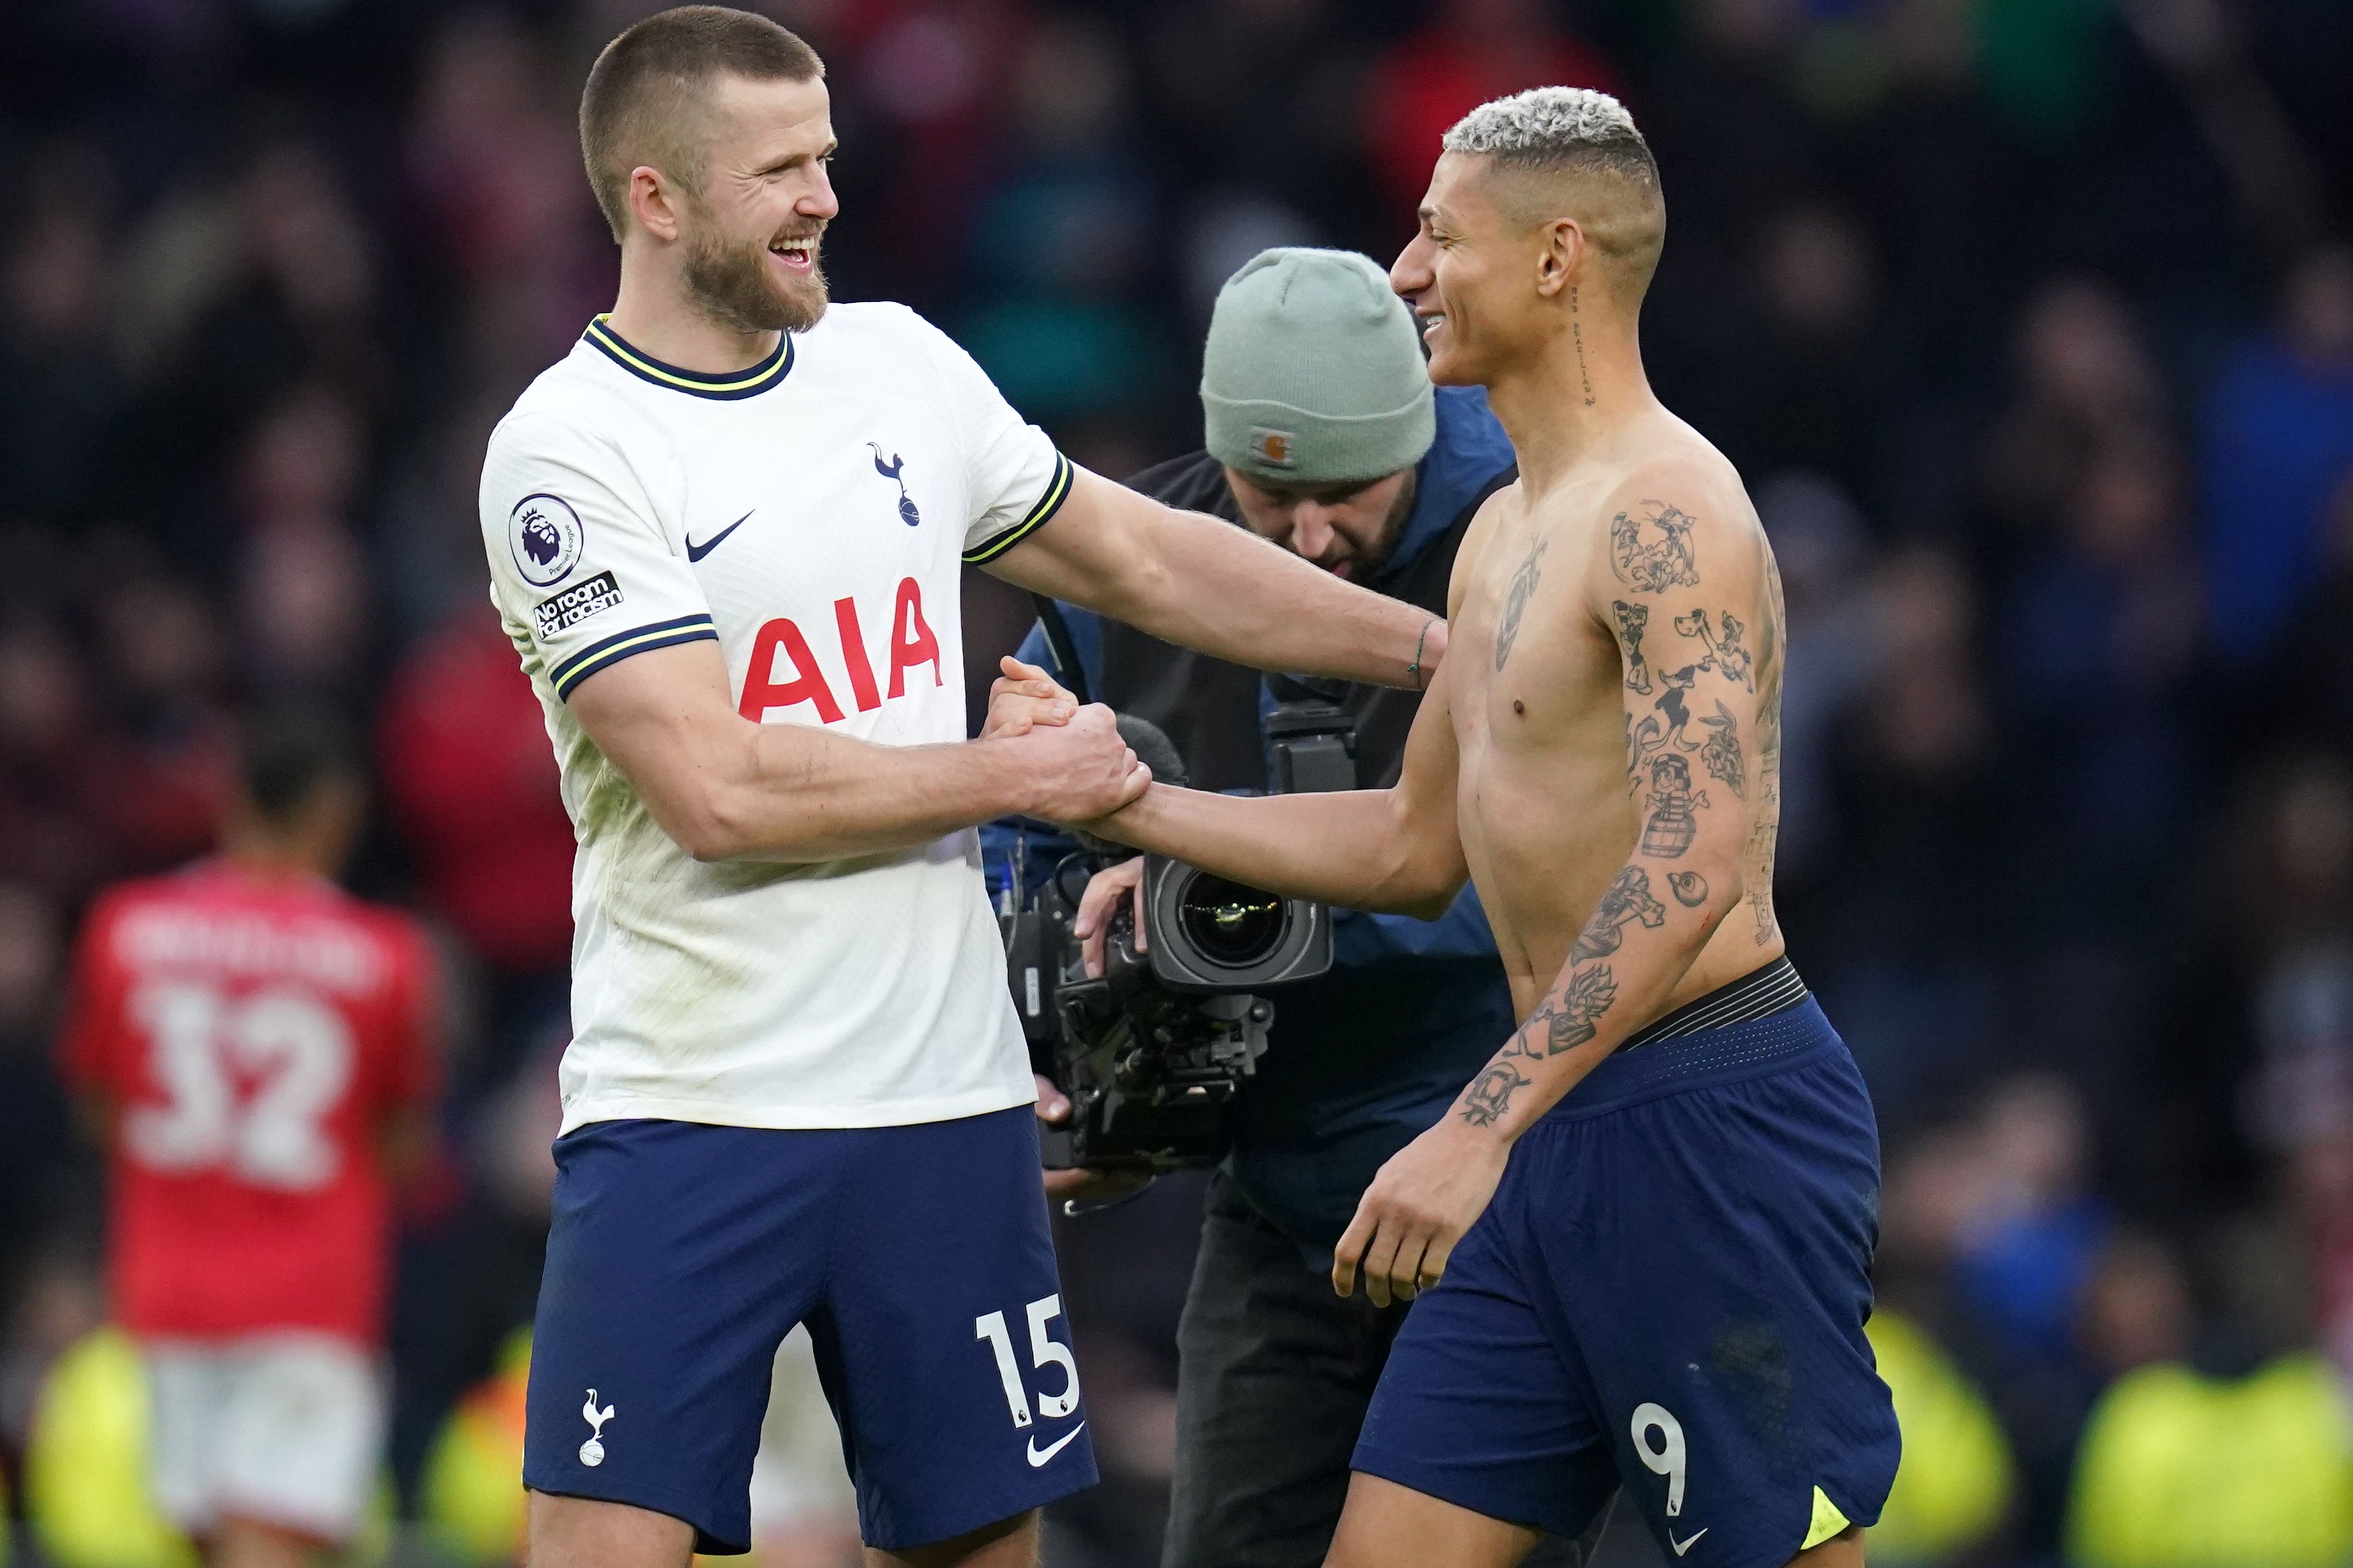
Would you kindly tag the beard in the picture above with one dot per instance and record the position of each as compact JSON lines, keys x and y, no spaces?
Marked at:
{"x":733,"y":284}
{"x":1365,"y":566}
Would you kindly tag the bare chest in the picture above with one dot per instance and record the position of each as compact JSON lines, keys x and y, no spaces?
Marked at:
{"x":1538,"y":676}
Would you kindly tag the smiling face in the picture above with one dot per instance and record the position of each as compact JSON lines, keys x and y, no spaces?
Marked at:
{"x":751,"y":233}
{"x":1347,"y":529}
{"x":1470,"y":275}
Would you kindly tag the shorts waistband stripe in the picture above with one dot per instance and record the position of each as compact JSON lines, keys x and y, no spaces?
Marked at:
{"x":1761,"y":1043}
{"x":1759,"y":994}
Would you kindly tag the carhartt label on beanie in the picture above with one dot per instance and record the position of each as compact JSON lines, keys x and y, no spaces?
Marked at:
{"x":1312,"y":373}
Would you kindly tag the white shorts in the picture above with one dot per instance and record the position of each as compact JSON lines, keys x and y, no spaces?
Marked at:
{"x":282,"y":1428}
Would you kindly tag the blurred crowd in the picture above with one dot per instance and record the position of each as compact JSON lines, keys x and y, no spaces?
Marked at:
{"x":2029,"y":321}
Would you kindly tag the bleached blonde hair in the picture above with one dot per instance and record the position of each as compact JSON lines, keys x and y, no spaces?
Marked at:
{"x":1557,"y":128}
{"x":1570,"y":151}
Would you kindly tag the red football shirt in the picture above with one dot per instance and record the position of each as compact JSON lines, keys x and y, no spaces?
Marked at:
{"x":250,"y":1034}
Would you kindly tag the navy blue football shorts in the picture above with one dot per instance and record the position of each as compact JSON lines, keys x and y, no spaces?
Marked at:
{"x":1667,"y":1294}
{"x":919,"y":1259}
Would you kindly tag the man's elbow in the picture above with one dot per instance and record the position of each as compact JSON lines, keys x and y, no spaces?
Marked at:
{"x":711,"y":844}
{"x":1431,"y":906}
{"x":1140,"y":590}
{"x":699,"y":821}
{"x":1423,"y":886}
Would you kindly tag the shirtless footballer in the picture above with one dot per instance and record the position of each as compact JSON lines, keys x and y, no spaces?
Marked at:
{"x":1640,"y":1241}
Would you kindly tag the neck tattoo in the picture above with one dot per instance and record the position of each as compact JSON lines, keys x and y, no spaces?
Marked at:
{"x":1577,"y":332}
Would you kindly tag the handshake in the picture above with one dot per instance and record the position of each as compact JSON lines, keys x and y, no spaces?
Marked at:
{"x":1074,"y":766}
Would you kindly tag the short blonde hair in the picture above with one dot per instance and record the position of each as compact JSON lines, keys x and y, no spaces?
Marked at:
{"x":1548,"y":128}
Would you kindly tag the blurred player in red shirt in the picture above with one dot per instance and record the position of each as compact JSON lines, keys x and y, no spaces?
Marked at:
{"x":257,"y":1048}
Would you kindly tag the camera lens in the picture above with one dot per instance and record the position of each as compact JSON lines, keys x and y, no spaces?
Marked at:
{"x":1228,"y":923}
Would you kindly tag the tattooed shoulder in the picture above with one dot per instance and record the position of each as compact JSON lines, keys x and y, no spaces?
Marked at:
{"x":1650,"y":548}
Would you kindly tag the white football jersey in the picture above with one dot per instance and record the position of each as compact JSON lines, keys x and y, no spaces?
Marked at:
{"x":810,"y":515}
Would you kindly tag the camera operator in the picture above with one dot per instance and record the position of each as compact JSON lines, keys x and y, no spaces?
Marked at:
{"x":1324,"y":435}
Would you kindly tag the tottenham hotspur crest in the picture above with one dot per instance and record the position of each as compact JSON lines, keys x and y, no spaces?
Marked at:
{"x":592,"y":1452}
{"x":891,"y":472}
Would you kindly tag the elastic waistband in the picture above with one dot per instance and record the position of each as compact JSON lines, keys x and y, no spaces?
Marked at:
{"x":1782,"y":1038}
{"x":1759,"y":994}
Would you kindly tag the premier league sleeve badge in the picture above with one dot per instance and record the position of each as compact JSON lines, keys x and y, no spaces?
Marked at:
{"x":546,"y":537}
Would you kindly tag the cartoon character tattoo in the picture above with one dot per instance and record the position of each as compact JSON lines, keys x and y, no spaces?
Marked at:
{"x":1653,"y":565}
{"x":1489,"y":1097}
{"x":1628,"y":899}
{"x":1671,"y":825}
{"x":1724,"y":652}
{"x":1672,"y":703}
{"x":1720,"y":752}
{"x":1632,"y":620}
{"x":1577,"y":1017}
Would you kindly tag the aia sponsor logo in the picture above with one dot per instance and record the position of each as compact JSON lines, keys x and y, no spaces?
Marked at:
{"x":785,"y":670}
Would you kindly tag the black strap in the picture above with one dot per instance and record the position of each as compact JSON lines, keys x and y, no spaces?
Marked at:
{"x":1060,"y":643}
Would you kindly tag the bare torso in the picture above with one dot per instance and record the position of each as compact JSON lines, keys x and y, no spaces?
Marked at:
{"x":1545,"y":690}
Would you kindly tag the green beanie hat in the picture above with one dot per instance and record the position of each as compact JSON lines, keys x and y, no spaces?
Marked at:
{"x":1314,"y":374}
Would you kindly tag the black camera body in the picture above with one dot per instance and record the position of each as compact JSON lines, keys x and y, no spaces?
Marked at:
{"x":1153,"y":1051}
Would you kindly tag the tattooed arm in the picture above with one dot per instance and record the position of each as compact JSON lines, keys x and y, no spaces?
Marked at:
{"x":1689,"y":604}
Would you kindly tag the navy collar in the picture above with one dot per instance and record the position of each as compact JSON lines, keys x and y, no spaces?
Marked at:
{"x":733,"y":384}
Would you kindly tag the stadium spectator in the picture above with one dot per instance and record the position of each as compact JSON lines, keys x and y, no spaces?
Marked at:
{"x":2187,"y":1461}
{"x":2279,"y":440}
{"x":1472,"y":50}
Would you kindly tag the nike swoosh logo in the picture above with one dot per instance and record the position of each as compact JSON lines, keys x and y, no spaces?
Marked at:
{"x":1038,"y":1456}
{"x":1683,"y":1546}
{"x":697,"y":552}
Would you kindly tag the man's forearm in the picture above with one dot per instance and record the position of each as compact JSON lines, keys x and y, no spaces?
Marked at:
{"x":1227,"y":592}
{"x":722,"y":787}
{"x":798,"y":793}
{"x":1618,"y":975}
{"x":1341,"y":848}
{"x":1191,"y":579}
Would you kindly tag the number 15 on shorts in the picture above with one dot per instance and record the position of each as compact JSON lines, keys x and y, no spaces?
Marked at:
{"x":1044,"y":1351}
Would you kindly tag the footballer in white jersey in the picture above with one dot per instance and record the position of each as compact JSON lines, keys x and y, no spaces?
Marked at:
{"x":725,"y":534}
{"x":811,"y":517}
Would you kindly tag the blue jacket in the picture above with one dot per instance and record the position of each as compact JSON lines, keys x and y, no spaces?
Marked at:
{"x":1364,"y":1059}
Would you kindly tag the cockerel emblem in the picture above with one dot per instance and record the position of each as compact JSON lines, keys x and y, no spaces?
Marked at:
{"x":889,"y":471}
{"x":592,"y":1452}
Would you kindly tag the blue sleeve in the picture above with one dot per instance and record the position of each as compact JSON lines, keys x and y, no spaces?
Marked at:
{"x":1361,"y":940}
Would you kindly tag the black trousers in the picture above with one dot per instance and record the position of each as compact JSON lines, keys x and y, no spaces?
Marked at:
{"x":1274,"y":1375}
